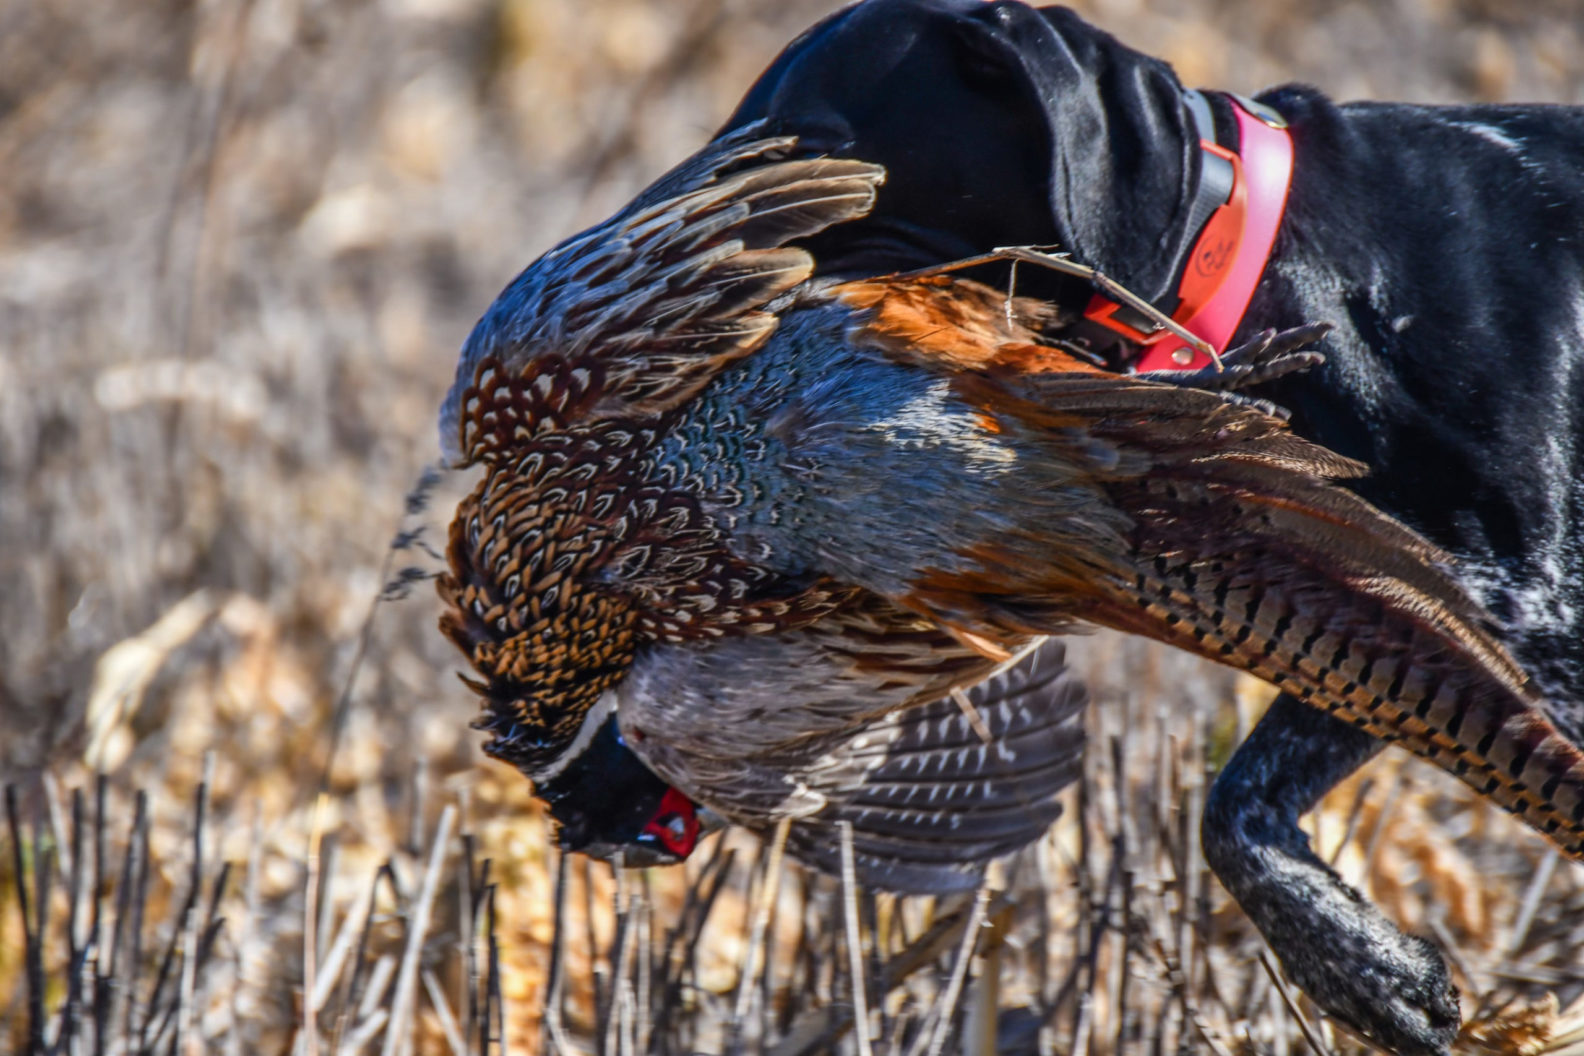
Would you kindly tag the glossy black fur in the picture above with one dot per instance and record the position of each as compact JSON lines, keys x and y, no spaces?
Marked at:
{"x":1446,"y":245}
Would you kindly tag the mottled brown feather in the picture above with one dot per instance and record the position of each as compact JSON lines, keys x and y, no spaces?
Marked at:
{"x":658,"y":299}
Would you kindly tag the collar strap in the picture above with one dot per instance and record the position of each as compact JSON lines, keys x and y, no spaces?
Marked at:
{"x":1239,"y":203}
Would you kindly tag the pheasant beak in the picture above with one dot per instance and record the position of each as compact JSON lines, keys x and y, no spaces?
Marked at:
{"x":673,"y":829}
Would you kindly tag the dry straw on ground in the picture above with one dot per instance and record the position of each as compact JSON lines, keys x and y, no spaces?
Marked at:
{"x":239,"y":242}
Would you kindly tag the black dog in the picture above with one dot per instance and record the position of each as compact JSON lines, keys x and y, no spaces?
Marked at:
{"x":1445,"y":243}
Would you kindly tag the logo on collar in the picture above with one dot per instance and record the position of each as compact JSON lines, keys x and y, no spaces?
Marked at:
{"x":1238,"y":205}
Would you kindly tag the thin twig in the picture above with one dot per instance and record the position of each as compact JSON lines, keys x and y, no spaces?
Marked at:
{"x":31,"y":941}
{"x":189,"y":968}
{"x":310,"y":1022}
{"x":352,"y":994}
{"x":1190,"y":1011}
{"x":448,"y":1023}
{"x":609,"y":1014}
{"x":1382,"y":822}
{"x":329,"y":971}
{"x":946,"y":1008}
{"x":764,"y":908}
{"x":1531,"y":901}
{"x":76,"y":962}
{"x":100,"y":992}
{"x":1309,"y":1034}
{"x":496,"y":1003}
{"x":551,"y":1019}
{"x":467,"y":927}
{"x":1060,"y":263}
{"x":696,"y":913}
{"x":417,"y":928}
{"x":855,"y":959}
{"x":644,"y":997}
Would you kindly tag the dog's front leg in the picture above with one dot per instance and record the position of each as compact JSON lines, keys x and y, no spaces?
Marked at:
{"x":1357,"y":965}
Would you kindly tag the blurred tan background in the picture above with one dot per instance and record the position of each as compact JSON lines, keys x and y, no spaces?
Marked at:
{"x":240,"y":241}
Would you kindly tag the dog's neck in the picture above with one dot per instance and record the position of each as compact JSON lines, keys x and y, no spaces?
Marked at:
{"x":1225,"y":240}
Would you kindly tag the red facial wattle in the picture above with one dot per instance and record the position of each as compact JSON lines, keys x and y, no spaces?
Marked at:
{"x":675,"y":825}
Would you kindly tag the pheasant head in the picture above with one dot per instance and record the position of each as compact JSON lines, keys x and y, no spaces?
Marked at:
{"x":562,"y":563}
{"x":547,"y":649}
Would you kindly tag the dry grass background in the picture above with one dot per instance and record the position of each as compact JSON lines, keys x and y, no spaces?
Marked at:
{"x":239,"y":243}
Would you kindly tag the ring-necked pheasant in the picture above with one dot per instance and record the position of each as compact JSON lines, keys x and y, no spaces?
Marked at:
{"x":550,"y":650}
{"x":727,"y":511}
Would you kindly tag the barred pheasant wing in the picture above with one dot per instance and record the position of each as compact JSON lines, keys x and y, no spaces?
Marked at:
{"x":935,"y":791}
{"x":634,"y":315}
{"x":1208,"y":525}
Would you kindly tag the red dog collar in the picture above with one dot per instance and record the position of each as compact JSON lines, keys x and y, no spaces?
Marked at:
{"x":1225,"y":264}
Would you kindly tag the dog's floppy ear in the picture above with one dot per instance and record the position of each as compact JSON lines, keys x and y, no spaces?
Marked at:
{"x":998,"y":124}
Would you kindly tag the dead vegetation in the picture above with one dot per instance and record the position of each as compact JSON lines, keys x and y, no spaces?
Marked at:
{"x":239,"y":242}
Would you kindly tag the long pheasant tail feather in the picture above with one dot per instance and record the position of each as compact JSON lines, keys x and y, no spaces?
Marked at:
{"x":1243,"y":552}
{"x":655,"y":301}
{"x":1391,"y":665}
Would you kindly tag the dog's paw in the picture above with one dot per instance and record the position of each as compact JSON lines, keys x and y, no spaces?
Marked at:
{"x":1391,"y":989}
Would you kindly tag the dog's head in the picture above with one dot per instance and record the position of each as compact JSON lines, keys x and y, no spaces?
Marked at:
{"x":998,"y":124}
